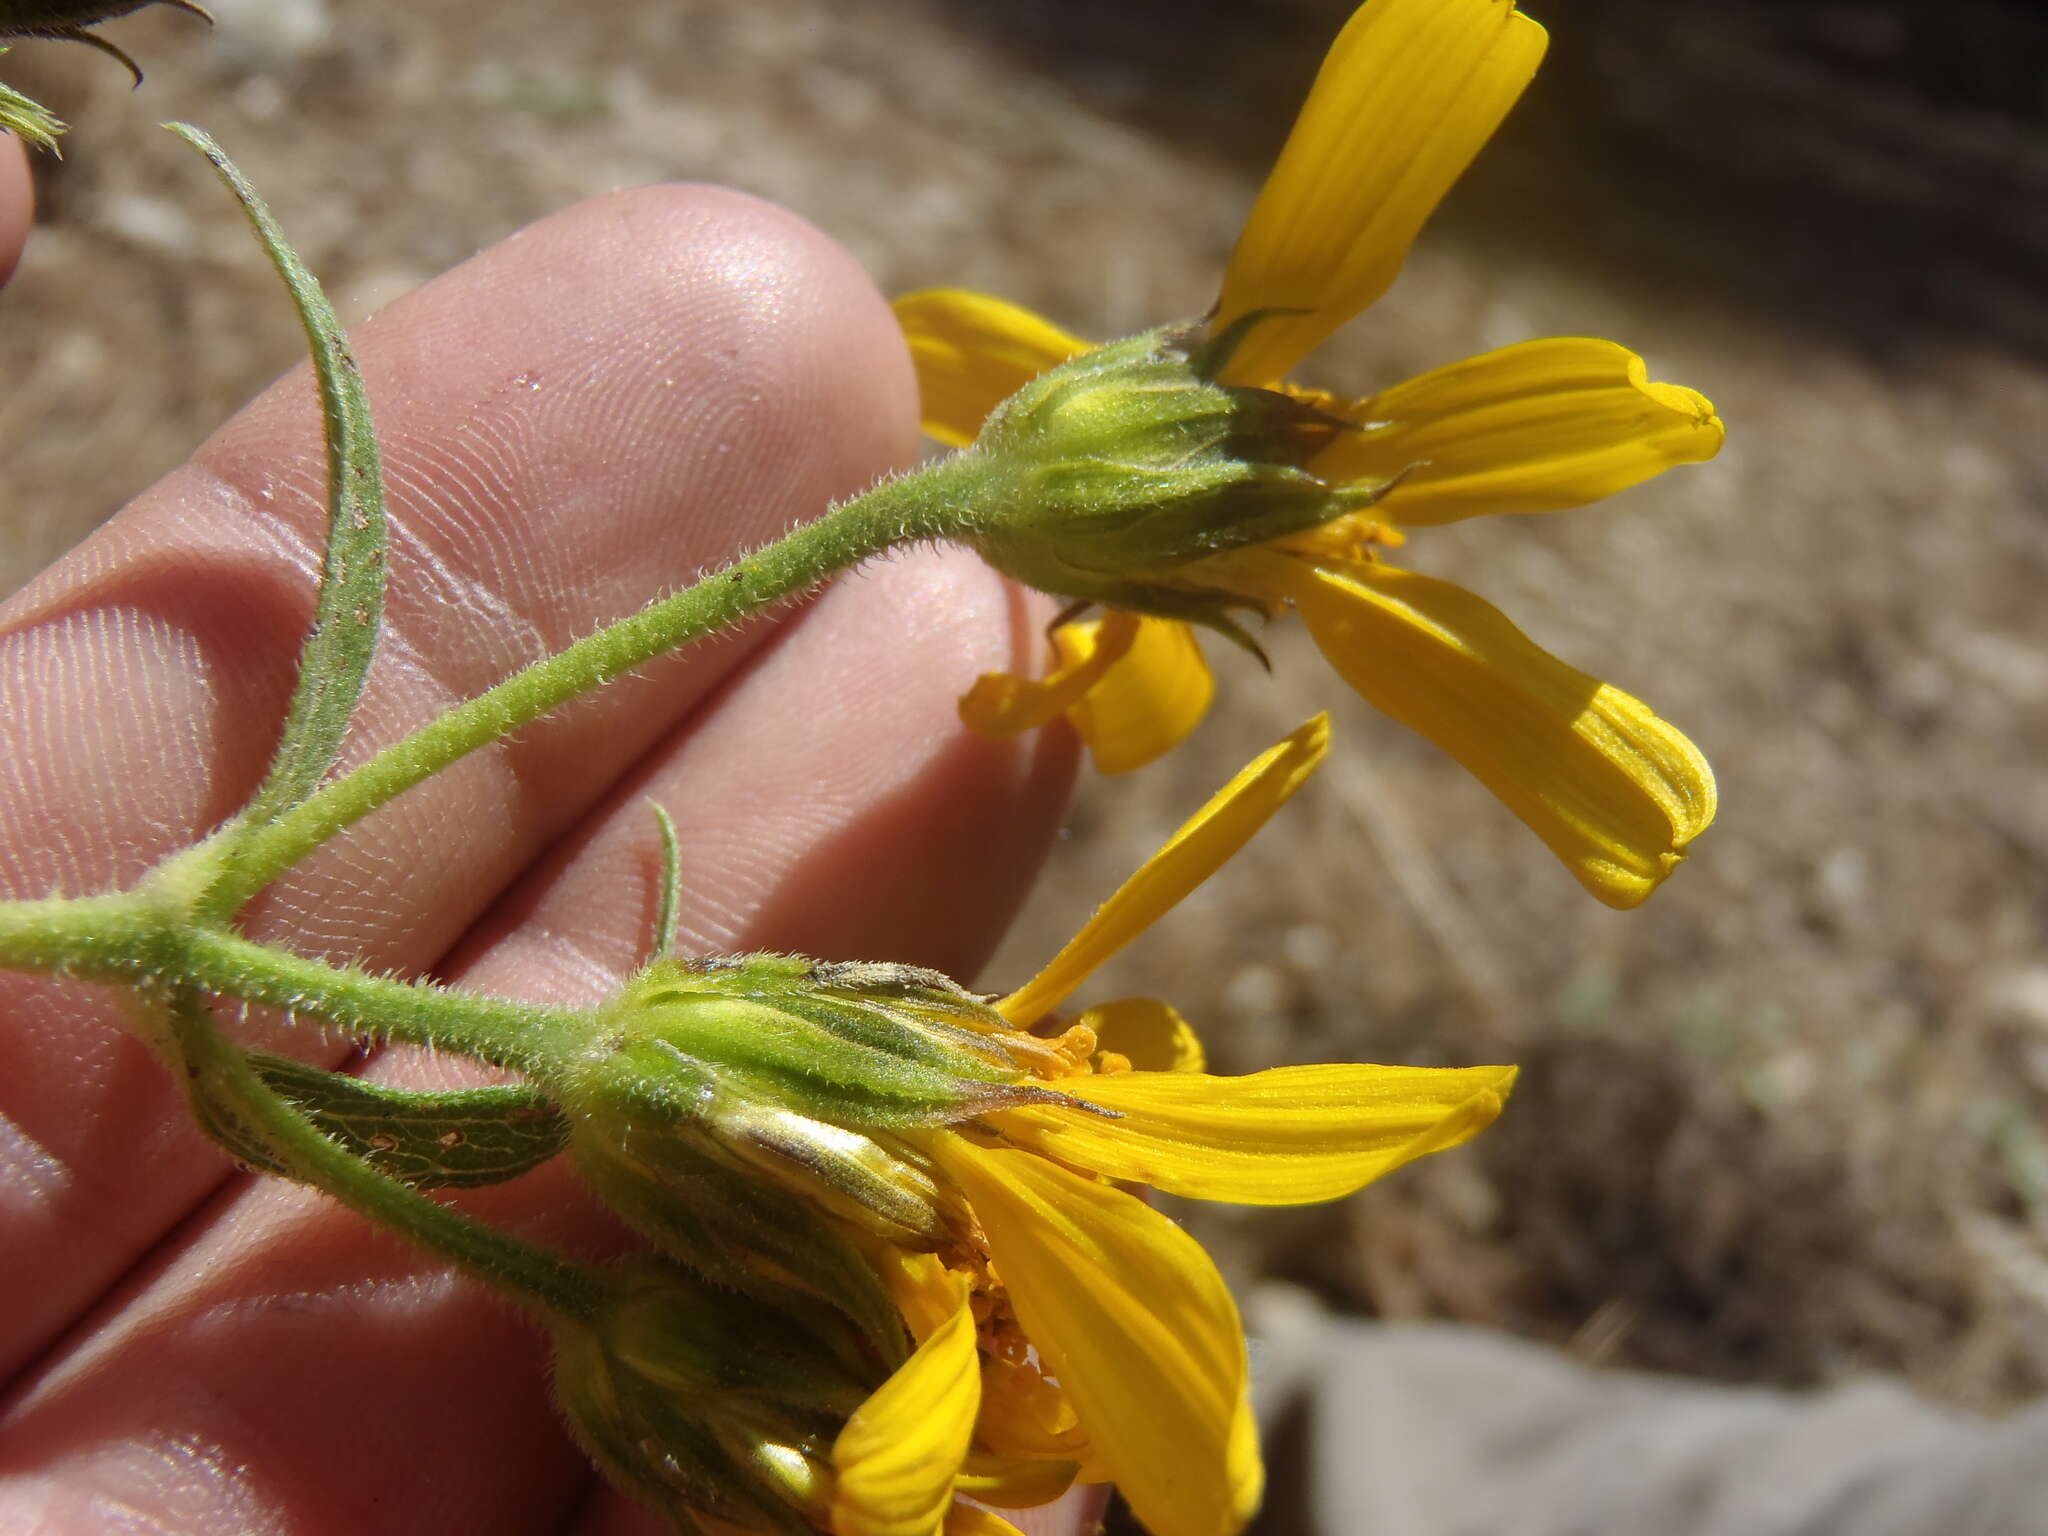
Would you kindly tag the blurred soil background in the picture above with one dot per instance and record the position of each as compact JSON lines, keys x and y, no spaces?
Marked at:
{"x":1783,"y":1125}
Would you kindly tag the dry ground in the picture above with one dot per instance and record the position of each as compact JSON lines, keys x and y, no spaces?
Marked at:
{"x":1783,"y":1124}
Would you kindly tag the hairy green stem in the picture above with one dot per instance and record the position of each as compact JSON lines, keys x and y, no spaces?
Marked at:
{"x":529,"y":1037}
{"x":133,"y":940}
{"x":74,"y":936}
{"x":934,"y":503}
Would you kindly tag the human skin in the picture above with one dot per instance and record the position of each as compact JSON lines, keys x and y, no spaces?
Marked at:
{"x":574,"y":421}
{"x":17,"y":203}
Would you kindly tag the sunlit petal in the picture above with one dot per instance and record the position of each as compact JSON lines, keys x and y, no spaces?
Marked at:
{"x":973,"y":352}
{"x":1149,"y":1034}
{"x":1131,"y":1316}
{"x":1191,"y":855}
{"x":899,"y":1454}
{"x":1536,"y":427}
{"x":1616,"y":792}
{"x":1148,"y":701}
{"x":1407,"y":95}
{"x":1015,"y":1484}
{"x":925,"y":1292}
{"x":1002,"y":705}
{"x":1283,"y":1137}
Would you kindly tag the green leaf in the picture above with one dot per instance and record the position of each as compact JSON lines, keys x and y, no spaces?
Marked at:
{"x":68,"y":19}
{"x":350,"y":610}
{"x":461,"y":1139}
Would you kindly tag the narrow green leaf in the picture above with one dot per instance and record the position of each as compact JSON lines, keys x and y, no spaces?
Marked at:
{"x":454,"y":1140}
{"x":671,"y":883}
{"x":67,"y":20}
{"x":336,"y":658}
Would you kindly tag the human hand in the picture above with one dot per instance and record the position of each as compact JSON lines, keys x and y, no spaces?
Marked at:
{"x":572,"y":422}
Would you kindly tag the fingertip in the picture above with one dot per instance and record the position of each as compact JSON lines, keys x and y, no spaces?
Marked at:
{"x":17,"y":203}
{"x":794,"y":355}
{"x":850,"y":389}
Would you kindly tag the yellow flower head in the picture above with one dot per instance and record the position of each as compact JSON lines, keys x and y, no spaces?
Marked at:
{"x":1042,"y":1325}
{"x":1407,"y":95}
{"x":1137,"y":1372}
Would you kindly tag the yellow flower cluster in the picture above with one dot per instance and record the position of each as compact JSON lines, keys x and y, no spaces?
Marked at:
{"x":1039,"y":1325}
{"x":964,"y":1164}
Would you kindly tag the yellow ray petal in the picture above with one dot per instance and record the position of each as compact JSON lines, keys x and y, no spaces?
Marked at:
{"x":1152,"y":1036}
{"x":1406,"y":96}
{"x":899,"y":1454}
{"x":973,"y":352}
{"x":1616,"y":792}
{"x":1147,"y":701}
{"x":923,"y":1289}
{"x":1016,"y":1484}
{"x":1536,"y":427}
{"x":1130,"y":1314}
{"x":1190,"y":856}
{"x":1002,"y":705}
{"x":1288,"y":1136}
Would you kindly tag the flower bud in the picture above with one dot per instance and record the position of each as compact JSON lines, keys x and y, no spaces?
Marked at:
{"x":878,"y":1046}
{"x":745,"y":1114}
{"x":708,"y":1404}
{"x":1117,"y":468}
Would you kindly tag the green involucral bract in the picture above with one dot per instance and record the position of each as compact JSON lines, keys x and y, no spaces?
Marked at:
{"x":1118,"y":467}
{"x":735,"y":1110}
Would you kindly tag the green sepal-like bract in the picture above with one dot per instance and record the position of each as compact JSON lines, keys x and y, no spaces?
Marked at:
{"x":458,"y":1139}
{"x":1114,"y":471}
{"x":748,"y":1114}
{"x":879,"y":1046}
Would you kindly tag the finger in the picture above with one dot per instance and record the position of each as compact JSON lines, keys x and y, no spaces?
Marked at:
{"x":573,"y":422}
{"x":17,"y":203}
{"x":829,"y":801}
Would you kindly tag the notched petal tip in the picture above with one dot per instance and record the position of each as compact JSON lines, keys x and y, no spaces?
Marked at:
{"x":1535,"y":427}
{"x":1616,"y":792}
{"x":1690,"y":406}
{"x":1675,"y":774}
